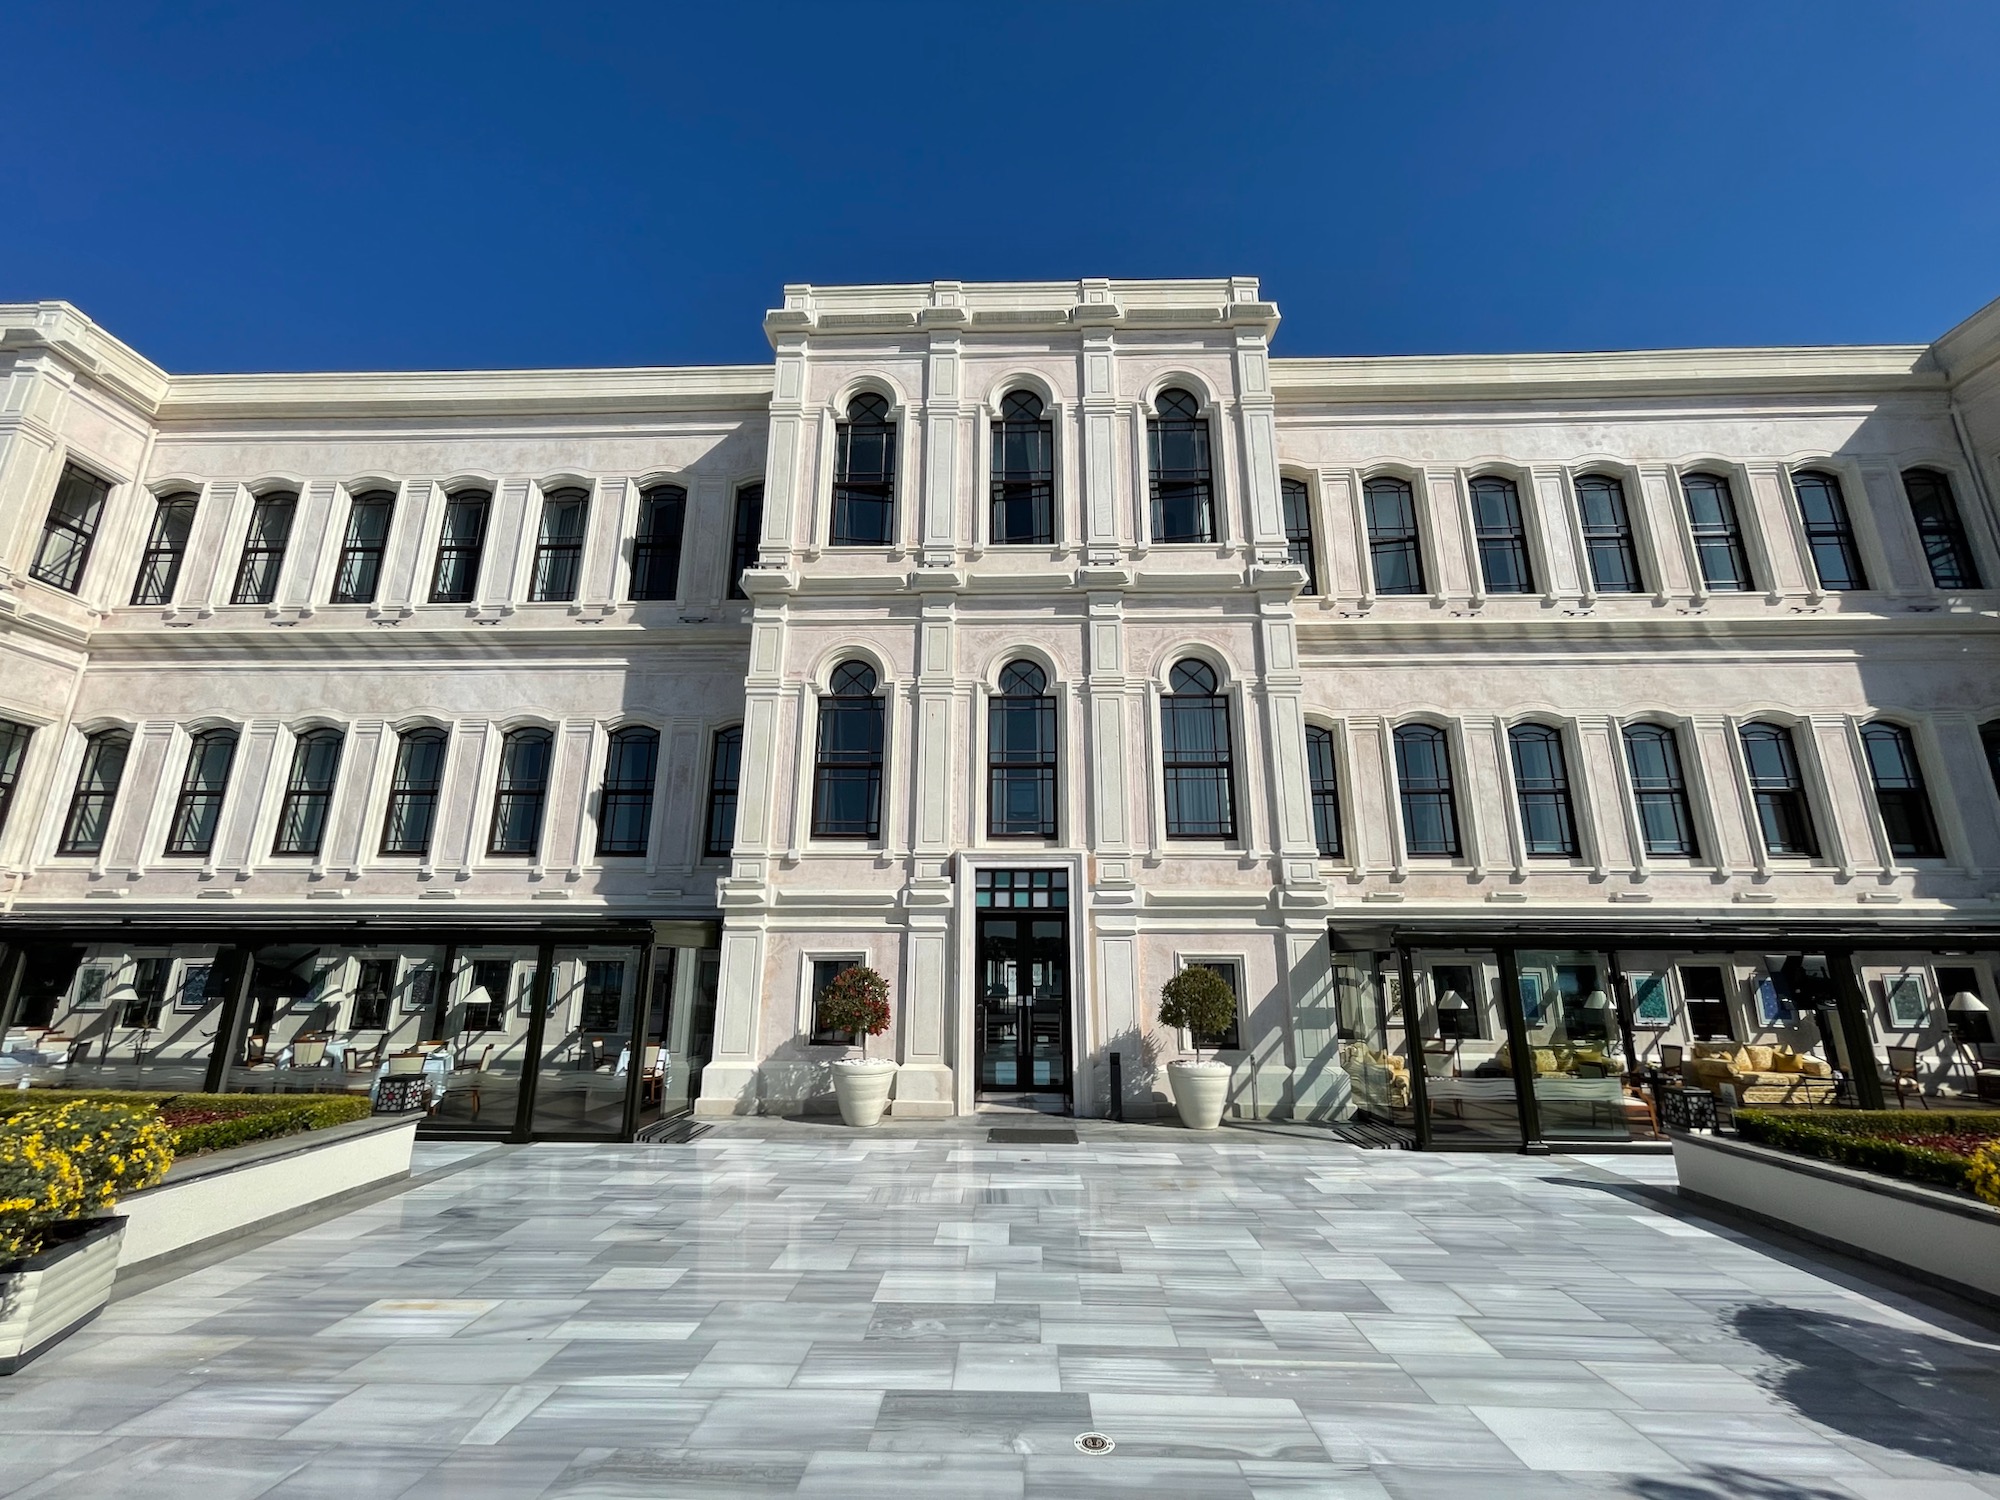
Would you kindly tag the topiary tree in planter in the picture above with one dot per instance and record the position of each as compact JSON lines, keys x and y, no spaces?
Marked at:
{"x":856,"y":1001}
{"x":1200,"y":1002}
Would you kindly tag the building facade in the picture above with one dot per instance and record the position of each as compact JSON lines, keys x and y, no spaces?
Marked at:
{"x":1493,"y":722}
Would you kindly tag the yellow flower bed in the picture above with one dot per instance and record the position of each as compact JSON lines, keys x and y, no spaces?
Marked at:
{"x":72,"y":1161}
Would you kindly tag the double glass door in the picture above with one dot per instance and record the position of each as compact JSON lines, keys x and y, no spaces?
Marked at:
{"x":1024,"y":1001}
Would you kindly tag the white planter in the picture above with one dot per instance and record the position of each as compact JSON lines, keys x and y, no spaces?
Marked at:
{"x":1200,"y":1090}
{"x":47,"y":1297}
{"x":861,"y":1085}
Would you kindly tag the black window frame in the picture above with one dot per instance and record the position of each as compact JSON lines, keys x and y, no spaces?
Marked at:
{"x":409,"y":795}
{"x":373,"y":992}
{"x":851,"y":710}
{"x":1197,"y":753}
{"x":1902,"y":796}
{"x":1429,"y":789}
{"x":364,"y":542}
{"x":1182,"y":493}
{"x":748,"y":533}
{"x":1295,"y":508}
{"x":15,"y":737}
{"x":1608,"y":537}
{"x":1021,"y":753}
{"x":95,"y":794}
{"x":490,"y":1014}
{"x":1230,"y":1039}
{"x":824,"y":971}
{"x":166,"y":548}
{"x":262,"y":565}
{"x":1662,"y":794}
{"x":1500,"y":533}
{"x":1829,"y":531}
{"x":521,"y":793}
{"x":69,"y":528}
{"x":1401,"y":544}
{"x":1323,"y":782}
{"x":656,"y":544}
{"x":455,"y":572}
{"x":142,"y":1008}
{"x":558,"y":572}
{"x":1718,"y":536}
{"x":1941,"y":529}
{"x":1778,"y":790}
{"x":1023,"y":431}
{"x":593,"y":994}
{"x":1539,"y":759}
{"x":1707,"y":1003}
{"x":631,"y":770}
{"x":197,"y":816}
{"x":864,"y":493}
{"x":725,"y":778}
{"x":309,"y":784}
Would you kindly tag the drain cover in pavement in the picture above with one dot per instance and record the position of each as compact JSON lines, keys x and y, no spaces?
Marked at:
{"x":1002,"y":1136}
{"x":1094,"y":1442}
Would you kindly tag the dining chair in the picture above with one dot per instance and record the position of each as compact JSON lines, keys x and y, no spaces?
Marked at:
{"x":1903,"y":1071}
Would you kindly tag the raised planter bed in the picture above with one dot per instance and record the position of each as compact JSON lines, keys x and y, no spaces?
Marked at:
{"x":1940,"y":1237}
{"x":47,"y":1297}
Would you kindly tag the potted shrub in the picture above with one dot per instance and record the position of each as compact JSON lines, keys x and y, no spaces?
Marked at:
{"x":60,"y":1169}
{"x":1199,"y":1002}
{"x":856,"y":1001}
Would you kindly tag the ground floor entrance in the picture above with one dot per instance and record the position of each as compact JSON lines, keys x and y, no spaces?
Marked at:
{"x":1022,"y":1006}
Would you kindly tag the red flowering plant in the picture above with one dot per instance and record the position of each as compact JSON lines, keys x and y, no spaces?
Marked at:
{"x":856,"y":1001}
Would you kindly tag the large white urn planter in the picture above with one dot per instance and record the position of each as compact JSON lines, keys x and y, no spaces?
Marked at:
{"x":47,"y":1297}
{"x":1200,"y":1090}
{"x":861,"y":1085}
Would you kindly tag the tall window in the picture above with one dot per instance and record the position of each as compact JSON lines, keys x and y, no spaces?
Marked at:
{"x":1607,"y":535}
{"x":486,"y":997}
{"x":460,"y":544}
{"x":1229,"y":1039}
{"x":375,"y":979}
{"x":1195,"y":750}
{"x":725,"y":772}
{"x":1541,"y":783}
{"x":149,"y":993}
{"x":749,"y":528}
{"x":1395,"y":549}
{"x":166,"y":545}
{"x":1423,"y":779}
{"x":1183,"y":484}
{"x":1502,"y":536}
{"x":1779,"y":790}
{"x":361,"y":547}
{"x":603,"y":1003}
{"x":1829,"y":533}
{"x":1666,"y":823}
{"x":824,"y":972}
{"x":198,"y":808}
{"x":626,"y":807}
{"x":1935,"y":511}
{"x":308,"y":792}
{"x":89,"y":815}
{"x":1024,"y":473}
{"x":559,"y":546}
{"x":864,"y":475}
{"x":1900,"y":793}
{"x":1297,"y":502}
{"x":656,"y":551}
{"x":1021,"y":755}
{"x":413,"y":792}
{"x":522,"y":793}
{"x":1325,"y":784}
{"x":264,"y":548}
{"x":847,"y":769}
{"x":71,"y":526}
{"x":13,"y":750}
{"x":1718,"y":537}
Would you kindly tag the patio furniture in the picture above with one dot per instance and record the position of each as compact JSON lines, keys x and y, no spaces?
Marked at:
{"x":1903,"y":1073}
{"x":76,"y":1053}
{"x":357,"y":1057}
{"x":1687,"y":1109}
{"x":308,"y":1052}
{"x":654,"y":1082}
{"x":256,"y":1050}
{"x":1982,"y":1061}
{"x":1759,"y":1075}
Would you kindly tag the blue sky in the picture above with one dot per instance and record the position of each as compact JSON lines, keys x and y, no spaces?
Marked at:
{"x":273,"y":186}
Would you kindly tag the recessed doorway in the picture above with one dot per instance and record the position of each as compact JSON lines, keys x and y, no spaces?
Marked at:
{"x":1022,"y":1008}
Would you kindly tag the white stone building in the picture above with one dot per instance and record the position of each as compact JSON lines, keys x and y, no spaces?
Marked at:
{"x":1028,"y":642}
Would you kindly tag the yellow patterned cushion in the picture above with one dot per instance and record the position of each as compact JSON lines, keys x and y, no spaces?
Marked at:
{"x":1756,"y":1060}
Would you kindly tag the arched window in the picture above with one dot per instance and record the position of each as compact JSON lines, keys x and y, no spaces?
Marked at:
{"x":460,"y":543}
{"x":748,"y":531}
{"x":97,"y":781}
{"x":847,"y":771}
{"x":69,"y":529}
{"x":864,"y":475}
{"x":166,"y":545}
{"x":1779,"y":789}
{"x":13,"y":750}
{"x":1423,"y":778}
{"x":308,"y":792}
{"x":521,"y":793}
{"x":1395,"y":548}
{"x":1666,"y":824}
{"x":1900,"y":794}
{"x":1021,"y":755}
{"x":1297,"y":502}
{"x":625,"y":805}
{"x":1183,"y":481}
{"x":1718,"y":536}
{"x":1541,"y":784}
{"x":1196,"y":755}
{"x":725,"y":771}
{"x":198,"y":808}
{"x":361,"y":547}
{"x":1607,"y":535}
{"x":1502,"y":536}
{"x":1024,"y":473}
{"x":1324,"y":781}
{"x":1829,"y":533}
{"x":559,"y":546}
{"x":413,"y":792}
{"x":656,"y":550}
{"x":1935,"y":510}
{"x":264,"y":548}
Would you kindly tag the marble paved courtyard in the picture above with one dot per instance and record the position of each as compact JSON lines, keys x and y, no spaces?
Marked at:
{"x":785,"y":1310}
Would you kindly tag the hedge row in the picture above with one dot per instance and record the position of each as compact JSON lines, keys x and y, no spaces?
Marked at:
{"x":1891,"y":1123}
{"x":233,"y":1118}
{"x":1865,"y":1140}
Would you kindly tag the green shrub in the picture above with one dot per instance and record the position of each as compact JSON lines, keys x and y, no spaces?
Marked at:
{"x":210,"y":1122}
{"x":1200,"y":1002}
{"x":1874,"y":1141}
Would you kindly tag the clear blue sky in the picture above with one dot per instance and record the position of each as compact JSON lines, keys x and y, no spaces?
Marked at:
{"x":351,"y":185}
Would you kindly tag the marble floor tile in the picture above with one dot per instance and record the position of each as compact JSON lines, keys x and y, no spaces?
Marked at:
{"x":1554,"y":1437}
{"x":799,"y":1421}
{"x":1007,"y":1367}
{"x":910,"y":1476}
{"x":1205,"y":1426}
{"x":390,"y":1413}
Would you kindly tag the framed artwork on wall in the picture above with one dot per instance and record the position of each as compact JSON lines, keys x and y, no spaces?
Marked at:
{"x":417,"y":991}
{"x":194,"y":987}
{"x":92,"y":981}
{"x":1650,"y":1005}
{"x":1531,"y":999}
{"x":1904,"y":995}
{"x":1774,"y":1006}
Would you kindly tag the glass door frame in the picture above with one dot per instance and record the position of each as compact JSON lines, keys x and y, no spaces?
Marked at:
{"x":1087,"y":1068}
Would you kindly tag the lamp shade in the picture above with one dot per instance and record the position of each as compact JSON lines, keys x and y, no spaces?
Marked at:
{"x":1451,"y":1000}
{"x":1965,"y":1003}
{"x":1597,"y":1000}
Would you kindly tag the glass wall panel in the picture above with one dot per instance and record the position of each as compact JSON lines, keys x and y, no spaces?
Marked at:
{"x":1578,"y":1049}
{"x":142,"y":1019}
{"x":1373,"y":1047}
{"x":481,"y":1040}
{"x":1468,"y":1079}
{"x":586,"y":1042}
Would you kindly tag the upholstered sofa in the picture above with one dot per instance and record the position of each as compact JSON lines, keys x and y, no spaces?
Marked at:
{"x":1760,"y":1075}
{"x":1381,"y":1079}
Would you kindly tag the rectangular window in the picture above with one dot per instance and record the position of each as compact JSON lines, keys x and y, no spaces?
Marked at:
{"x":1707,"y":994}
{"x":89,"y":816}
{"x":603,"y":995}
{"x":1900,"y":794}
{"x":1779,"y":789}
{"x":749,"y":530}
{"x":1541,"y":782}
{"x":1230,"y":1038}
{"x":1297,"y":500}
{"x":308,"y":792}
{"x":166,"y":545}
{"x":1718,"y":537}
{"x":413,"y":792}
{"x":656,"y":551}
{"x":522,"y":793}
{"x":1021,"y":766}
{"x":1502,"y":536}
{"x":1395,"y":548}
{"x":373,"y":984}
{"x":1197,"y":759}
{"x":486,"y":1000}
{"x":264,"y":548}
{"x":1666,"y":825}
{"x":724,"y":772}
{"x":460,"y":545}
{"x":864,"y":475}
{"x":359,"y":574}
{"x":149,"y":993}
{"x":823,"y":972}
{"x":625,"y":806}
{"x":73,"y":519}
{"x":1022,"y":511}
{"x":198,"y":808}
{"x":1423,"y":778}
{"x":1607,"y":535}
{"x":1183,"y":481}
{"x":847,"y":778}
{"x":1829,"y":533}
{"x":559,"y":549}
{"x":1325,"y":783}
{"x":13,"y":750}
{"x":1935,"y":510}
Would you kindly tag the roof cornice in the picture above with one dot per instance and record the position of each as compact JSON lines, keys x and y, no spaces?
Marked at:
{"x":467,"y":393}
{"x":60,"y":329}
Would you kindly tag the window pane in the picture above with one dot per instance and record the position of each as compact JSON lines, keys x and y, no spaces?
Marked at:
{"x":1325,"y":786}
{"x":1900,"y":793}
{"x":1666,"y":824}
{"x":413,"y":792}
{"x":1197,"y":757}
{"x":1297,"y":500}
{"x":626,"y":811}
{"x":1607,"y":535}
{"x":13,"y":750}
{"x":656,"y":551}
{"x":460,"y":544}
{"x":198,"y":809}
{"x":1502,"y":536}
{"x":264,"y":549}
{"x":522,"y":789}
{"x":1023,"y":498}
{"x":864,"y":484}
{"x":1779,"y":790}
{"x":74,"y":513}
{"x":725,"y":769}
{"x":1394,"y":547}
{"x":1718,"y":540}
{"x":1829,"y":535}
{"x":749,"y":528}
{"x":1423,"y":774}
{"x":1182,"y":483}
{"x":1935,"y":511}
{"x":360,"y":570}
{"x":847,"y":777}
{"x":559,"y":552}
{"x":1541,"y":782}
{"x":166,"y":545}
{"x":308,"y":793}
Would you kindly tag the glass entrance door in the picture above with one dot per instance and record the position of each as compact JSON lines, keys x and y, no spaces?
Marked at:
{"x":1023,"y":1004}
